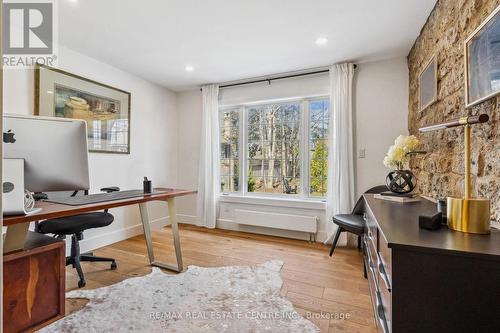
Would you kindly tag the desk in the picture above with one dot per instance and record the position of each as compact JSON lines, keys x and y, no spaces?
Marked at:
{"x":17,"y":226}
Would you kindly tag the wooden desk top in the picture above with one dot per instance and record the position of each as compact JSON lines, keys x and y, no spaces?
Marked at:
{"x":53,"y":210}
{"x":398,"y":224}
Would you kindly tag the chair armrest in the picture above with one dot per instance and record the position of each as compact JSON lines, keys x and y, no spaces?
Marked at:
{"x":110,"y":189}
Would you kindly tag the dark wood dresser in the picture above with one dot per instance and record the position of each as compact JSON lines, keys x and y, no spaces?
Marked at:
{"x":429,"y":281}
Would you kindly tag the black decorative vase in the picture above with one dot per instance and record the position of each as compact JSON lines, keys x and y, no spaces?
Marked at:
{"x":401,"y":181}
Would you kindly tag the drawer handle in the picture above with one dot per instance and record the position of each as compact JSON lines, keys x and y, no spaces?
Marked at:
{"x":372,"y":270}
{"x":370,"y":235}
{"x":383,"y":274}
{"x":381,"y":314}
{"x":368,"y":252}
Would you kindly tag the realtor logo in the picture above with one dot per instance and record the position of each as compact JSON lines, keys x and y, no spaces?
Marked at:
{"x":28,"y":33}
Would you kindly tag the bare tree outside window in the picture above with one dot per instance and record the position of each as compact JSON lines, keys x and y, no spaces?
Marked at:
{"x":276,"y":148}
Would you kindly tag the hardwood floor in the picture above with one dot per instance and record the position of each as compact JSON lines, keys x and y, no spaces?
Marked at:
{"x":323,"y":288}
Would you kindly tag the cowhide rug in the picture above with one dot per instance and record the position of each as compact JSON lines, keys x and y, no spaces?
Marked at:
{"x":220,"y":299}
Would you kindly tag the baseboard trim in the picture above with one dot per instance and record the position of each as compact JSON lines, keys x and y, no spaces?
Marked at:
{"x":186,"y":219}
{"x":104,"y":239}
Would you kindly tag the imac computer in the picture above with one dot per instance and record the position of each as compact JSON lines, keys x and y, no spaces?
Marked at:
{"x":54,"y":151}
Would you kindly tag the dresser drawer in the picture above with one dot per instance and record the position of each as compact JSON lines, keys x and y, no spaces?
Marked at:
{"x":386,"y":304}
{"x":384,"y":263}
{"x":371,"y":226}
{"x":381,"y":299}
{"x":371,"y":276}
{"x":381,"y":315}
{"x":371,"y":251}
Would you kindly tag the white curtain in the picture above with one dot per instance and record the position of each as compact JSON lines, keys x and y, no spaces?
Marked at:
{"x":340,"y":191}
{"x":208,"y":172}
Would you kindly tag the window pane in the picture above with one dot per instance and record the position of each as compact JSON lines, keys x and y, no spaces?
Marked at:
{"x":318,"y":147}
{"x":274,"y":148}
{"x":229,"y":150}
{"x":318,"y":119}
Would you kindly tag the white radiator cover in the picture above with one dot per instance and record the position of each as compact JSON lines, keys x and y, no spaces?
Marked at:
{"x":276,"y":220}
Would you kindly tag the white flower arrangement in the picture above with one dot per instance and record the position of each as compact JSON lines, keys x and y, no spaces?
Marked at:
{"x":399,"y":153}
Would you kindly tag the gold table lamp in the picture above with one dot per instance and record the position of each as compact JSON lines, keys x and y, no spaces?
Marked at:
{"x":466,"y":214}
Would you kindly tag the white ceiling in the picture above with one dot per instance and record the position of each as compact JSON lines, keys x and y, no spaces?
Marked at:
{"x":228,"y":40}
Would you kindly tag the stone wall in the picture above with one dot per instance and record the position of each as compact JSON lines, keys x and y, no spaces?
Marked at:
{"x":441,"y":172}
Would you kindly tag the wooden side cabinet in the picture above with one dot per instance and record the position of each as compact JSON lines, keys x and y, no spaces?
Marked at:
{"x":33,"y":283}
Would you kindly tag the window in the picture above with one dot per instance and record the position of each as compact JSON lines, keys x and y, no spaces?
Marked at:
{"x":275,"y":148}
{"x":318,"y":145}
{"x":229,"y":150}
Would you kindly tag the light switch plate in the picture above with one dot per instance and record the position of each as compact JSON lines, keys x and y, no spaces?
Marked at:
{"x":362,"y":153}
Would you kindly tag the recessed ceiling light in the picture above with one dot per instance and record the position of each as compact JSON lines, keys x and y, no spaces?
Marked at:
{"x":321,"y":41}
{"x":189,"y":68}
{"x":74,"y":1}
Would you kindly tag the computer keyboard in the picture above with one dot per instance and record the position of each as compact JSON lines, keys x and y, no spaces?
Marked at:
{"x":100,"y":197}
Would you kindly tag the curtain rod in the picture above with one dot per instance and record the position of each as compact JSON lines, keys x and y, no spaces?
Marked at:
{"x":274,"y":78}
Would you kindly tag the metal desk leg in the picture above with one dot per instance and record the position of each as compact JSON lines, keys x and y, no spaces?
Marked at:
{"x":175,"y":231}
{"x":15,"y":237}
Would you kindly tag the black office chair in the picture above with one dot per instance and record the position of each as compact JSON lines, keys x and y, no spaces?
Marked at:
{"x":354,"y":222}
{"x":75,"y":226}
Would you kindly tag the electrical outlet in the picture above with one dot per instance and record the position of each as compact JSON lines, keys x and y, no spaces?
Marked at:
{"x":362,"y":153}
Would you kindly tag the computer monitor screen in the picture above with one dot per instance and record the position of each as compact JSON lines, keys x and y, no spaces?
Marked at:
{"x":54,"y":151}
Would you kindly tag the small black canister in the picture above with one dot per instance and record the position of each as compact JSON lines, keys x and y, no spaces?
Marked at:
{"x":148,"y":186}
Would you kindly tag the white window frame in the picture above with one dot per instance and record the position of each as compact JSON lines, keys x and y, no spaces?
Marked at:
{"x":304,"y":130}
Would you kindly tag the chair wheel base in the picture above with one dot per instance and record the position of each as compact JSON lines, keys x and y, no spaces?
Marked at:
{"x":81,"y":283}
{"x":113,"y":265}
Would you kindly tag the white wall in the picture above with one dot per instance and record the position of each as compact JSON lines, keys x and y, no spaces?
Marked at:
{"x":189,"y":105}
{"x":381,"y":113}
{"x":381,"y":90}
{"x":153,"y":138}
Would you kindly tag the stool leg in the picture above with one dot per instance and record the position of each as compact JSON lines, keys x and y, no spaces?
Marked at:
{"x":335,"y":240}
{"x":359,"y":242}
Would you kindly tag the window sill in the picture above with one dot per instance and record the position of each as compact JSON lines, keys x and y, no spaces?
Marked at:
{"x":276,"y":202}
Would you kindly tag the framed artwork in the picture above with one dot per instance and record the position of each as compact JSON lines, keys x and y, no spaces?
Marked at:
{"x":105,"y":109}
{"x":482,"y":61}
{"x":428,"y":84}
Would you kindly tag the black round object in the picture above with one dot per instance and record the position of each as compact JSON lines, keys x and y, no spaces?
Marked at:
{"x":113,"y":265}
{"x":401,"y":181}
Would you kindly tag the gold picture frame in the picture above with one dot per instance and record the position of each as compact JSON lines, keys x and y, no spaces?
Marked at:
{"x":106,"y":109}
{"x":482,"y":70}
{"x":427,"y":88}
